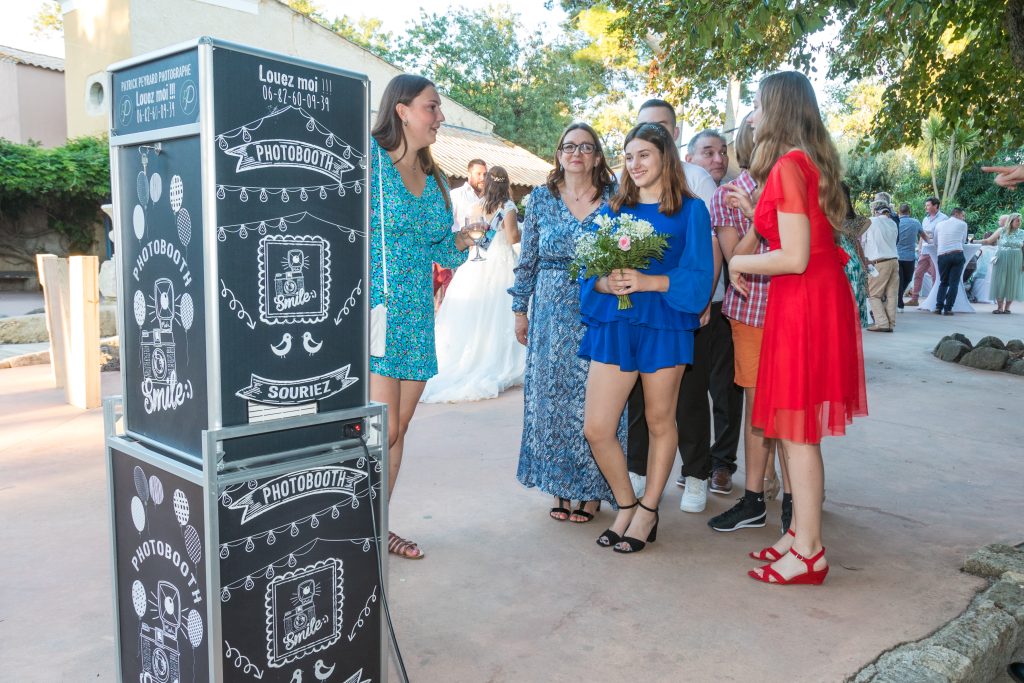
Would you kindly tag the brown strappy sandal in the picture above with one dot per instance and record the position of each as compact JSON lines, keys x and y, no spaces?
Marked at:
{"x":403,"y":548}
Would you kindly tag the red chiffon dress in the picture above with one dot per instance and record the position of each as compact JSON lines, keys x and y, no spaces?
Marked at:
{"x":811,"y":377}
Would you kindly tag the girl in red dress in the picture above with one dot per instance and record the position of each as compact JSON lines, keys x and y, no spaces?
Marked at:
{"x":811,"y":377}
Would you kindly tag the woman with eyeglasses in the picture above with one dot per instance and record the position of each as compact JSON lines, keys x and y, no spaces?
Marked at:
{"x":554,"y":456}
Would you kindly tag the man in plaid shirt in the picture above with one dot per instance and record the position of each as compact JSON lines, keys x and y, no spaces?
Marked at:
{"x":732,"y":211}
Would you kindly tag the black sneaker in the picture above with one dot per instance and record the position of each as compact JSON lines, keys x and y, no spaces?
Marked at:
{"x":746,"y":513}
{"x":787,"y":514}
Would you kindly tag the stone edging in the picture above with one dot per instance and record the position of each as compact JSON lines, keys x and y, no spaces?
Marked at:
{"x":975,"y":646}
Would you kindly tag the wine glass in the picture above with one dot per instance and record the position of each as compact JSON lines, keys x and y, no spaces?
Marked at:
{"x":476,"y":229}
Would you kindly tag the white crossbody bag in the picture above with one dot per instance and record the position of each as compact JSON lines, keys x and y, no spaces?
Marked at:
{"x":379,"y":313}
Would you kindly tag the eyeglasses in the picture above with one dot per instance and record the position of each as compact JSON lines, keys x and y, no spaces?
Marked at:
{"x":571,"y":147}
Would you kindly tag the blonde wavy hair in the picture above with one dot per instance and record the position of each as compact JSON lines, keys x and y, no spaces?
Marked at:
{"x":790,"y":118}
{"x":1010,"y":218}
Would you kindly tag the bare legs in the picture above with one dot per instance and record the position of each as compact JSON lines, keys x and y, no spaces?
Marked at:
{"x":806,"y":473}
{"x":401,"y":397}
{"x":608,"y":388}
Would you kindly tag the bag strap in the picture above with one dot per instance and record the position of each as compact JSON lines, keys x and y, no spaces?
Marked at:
{"x":380,"y":199}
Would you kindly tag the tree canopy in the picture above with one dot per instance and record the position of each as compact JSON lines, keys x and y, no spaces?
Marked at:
{"x":962,"y":59}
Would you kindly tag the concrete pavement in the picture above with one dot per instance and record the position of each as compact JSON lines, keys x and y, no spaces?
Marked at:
{"x":506,"y":594}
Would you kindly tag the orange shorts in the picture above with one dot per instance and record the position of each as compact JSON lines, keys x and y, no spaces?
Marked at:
{"x":746,"y":343}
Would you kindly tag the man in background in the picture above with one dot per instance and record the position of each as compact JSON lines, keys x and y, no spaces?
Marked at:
{"x":950,"y":236}
{"x":879,"y":244}
{"x":925,"y":264}
{"x":467,"y":202}
{"x":906,"y":248}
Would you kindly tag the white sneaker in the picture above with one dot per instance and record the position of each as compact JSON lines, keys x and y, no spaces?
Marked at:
{"x":639,"y":483}
{"x":695,"y":495}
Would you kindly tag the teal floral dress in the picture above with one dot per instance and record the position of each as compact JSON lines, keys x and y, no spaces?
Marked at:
{"x":857,"y":276}
{"x":417,"y":233}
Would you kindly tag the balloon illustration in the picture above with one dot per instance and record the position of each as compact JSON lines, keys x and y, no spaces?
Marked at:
{"x":177,"y":193}
{"x":139,"y":307}
{"x":138,"y":513}
{"x":195,"y":628}
{"x":156,"y":187}
{"x":139,"y":598}
{"x":156,"y":490}
{"x":142,"y":187}
{"x":180,"y":507}
{"x":184,"y":227}
{"x":192,"y":544}
{"x":141,"y":485}
{"x":139,"y":221}
{"x":186,"y":309}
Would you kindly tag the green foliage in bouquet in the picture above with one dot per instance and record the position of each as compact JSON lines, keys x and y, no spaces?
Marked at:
{"x":619,"y":243}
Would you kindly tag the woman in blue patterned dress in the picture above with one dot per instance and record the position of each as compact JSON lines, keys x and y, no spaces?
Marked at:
{"x":554,"y":456}
{"x":416,"y":232}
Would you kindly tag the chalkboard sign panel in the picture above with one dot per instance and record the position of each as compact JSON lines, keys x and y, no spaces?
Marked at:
{"x":163,"y":340}
{"x":161,"y":574}
{"x":160,"y":94}
{"x":300,"y":597}
{"x":291,"y":183}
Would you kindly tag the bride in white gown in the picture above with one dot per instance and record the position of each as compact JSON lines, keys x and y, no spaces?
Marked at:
{"x":478,"y":356}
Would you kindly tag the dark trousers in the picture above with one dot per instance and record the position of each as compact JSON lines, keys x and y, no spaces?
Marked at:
{"x":906,"y":277}
{"x":712,"y":371}
{"x":951,"y":266}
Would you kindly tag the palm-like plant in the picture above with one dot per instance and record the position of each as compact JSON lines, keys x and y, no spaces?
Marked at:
{"x":958,"y":143}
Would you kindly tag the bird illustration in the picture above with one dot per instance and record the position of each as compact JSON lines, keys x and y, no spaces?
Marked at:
{"x":284,"y":346}
{"x":297,"y":676}
{"x":321,"y":672}
{"x":310,"y":345}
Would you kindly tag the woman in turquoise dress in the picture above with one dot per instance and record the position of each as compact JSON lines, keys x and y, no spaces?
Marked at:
{"x":410,"y":229}
{"x":554,"y":455}
{"x":1007,"y":281}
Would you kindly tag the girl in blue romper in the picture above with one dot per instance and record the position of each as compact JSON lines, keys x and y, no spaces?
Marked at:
{"x":653,"y":338}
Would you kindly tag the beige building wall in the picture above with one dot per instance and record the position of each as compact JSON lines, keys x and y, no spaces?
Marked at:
{"x":41,"y":105}
{"x":124,"y":28}
{"x":32,"y":107}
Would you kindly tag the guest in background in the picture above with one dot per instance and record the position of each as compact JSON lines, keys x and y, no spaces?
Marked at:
{"x":811,"y":377}
{"x":909,"y":233}
{"x":709,"y":150}
{"x":879,"y":245}
{"x":1007,"y":283}
{"x":554,"y":455}
{"x":651,"y":341}
{"x":856,"y":267}
{"x":746,"y":300}
{"x":478,"y":356}
{"x":466,"y":200}
{"x":412,"y":232}
{"x":950,"y":237}
{"x":925,"y":264}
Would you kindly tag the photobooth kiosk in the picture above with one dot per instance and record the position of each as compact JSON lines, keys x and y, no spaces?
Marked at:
{"x":246,"y":465}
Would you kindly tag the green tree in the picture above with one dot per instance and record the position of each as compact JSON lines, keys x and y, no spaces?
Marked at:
{"x":485,"y":60}
{"x":963,"y":59}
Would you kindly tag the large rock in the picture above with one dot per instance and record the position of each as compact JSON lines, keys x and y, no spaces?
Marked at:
{"x":1016,"y":367}
{"x":962,"y":339}
{"x":990,"y":342}
{"x":986,"y":358}
{"x":994,"y":560}
{"x":1015,"y":346}
{"x":31,"y":329}
{"x":985,"y":635}
{"x":951,"y":351}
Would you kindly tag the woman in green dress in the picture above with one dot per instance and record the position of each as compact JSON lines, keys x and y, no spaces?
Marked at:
{"x":1007,"y":281}
{"x":410,"y":229}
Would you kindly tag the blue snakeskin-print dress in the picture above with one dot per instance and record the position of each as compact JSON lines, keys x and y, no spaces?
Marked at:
{"x":554,"y":456}
{"x":418,"y":232}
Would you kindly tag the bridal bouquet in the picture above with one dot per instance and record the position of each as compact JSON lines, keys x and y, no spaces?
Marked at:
{"x":620,"y":242}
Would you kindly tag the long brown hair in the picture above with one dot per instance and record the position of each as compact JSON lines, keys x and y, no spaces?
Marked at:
{"x":673,"y":180}
{"x":743,"y":144}
{"x":496,"y":189}
{"x":600,"y":175}
{"x":790,"y":118}
{"x":389,"y":132}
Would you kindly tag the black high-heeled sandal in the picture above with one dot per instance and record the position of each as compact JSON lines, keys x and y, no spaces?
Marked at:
{"x":635,"y":545}
{"x":562,"y":510}
{"x":581,"y":512}
{"x":609,"y":538}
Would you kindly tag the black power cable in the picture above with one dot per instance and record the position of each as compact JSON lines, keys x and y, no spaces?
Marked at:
{"x":380,"y":571}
